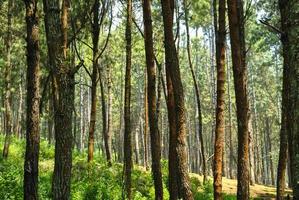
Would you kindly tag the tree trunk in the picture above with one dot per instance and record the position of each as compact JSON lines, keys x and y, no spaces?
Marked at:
{"x":33,"y":99}
{"x":237,"y":38}
{"x":151,"y":101}
{"x":20,"y":110}
{"x":109,"y":118}
{"x":128,"y":163}
{"x":220,"y":34}
{"x":172,"y":68}
{"x":283,"y":147}
{"x":56,"y":23}
{"x":94,"y":80}
{"x":289,"y":38}
{"x":251,"y":152}
{"x":195,"y":84}
{"x":146,"y":115}
{"x":7,"y":82}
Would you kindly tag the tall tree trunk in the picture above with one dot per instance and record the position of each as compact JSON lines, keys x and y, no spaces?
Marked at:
{"x":237,"y":38}
{"x":33,"y":99}
{"x":289,"y":38}
{"x":195,"y":84}
{"x":151,"y":101}
{"x":7,"y":82}
{"x":94,"y":79}
{"x":128,"y":162}
{"x":220,"y":34}
{"x":172,"y":68}
{"x":283,"y":147}
{"x":56,"y":23}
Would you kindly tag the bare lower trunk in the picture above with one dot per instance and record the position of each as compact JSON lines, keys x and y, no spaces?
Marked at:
{"x":151,"y":102}
{"x":33,"y":101}
{"x":172,"y":68}
{"x":237,"y":38}
{"x":56,"y":24}
{"x":220,"y":33}
{"x":128,"y":163}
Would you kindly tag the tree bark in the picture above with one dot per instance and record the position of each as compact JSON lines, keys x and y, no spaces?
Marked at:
{"x":237,"y":38}
{"x":56,"y":23}
{"x":283,"y":147}
{"x":94,"y":80}
{"x":151,"y":101}
{"x":33,"y":100}
{"x":128,"y":163}
{"x":289,"y":38}
{"x":172,"y":68}
{"x":220,"y":34}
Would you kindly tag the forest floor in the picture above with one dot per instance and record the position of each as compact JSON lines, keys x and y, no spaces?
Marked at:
{"x":97,"y":181}
{"x":256,"y":191}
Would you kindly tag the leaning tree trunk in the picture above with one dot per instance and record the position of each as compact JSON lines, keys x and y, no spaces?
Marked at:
{"x":63,"y":80}
{"x":7,"y":82}
{"x":220,"y":34}
{"x":196,"y":87}
{"x":128,"y":162}
{"x":151,"y":101}
{"x":172,"y":67}
{"x":33,"y":100}
{"x":237,"y":38}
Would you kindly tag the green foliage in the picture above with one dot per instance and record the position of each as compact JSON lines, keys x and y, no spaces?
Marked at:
{"x":89,"y":180}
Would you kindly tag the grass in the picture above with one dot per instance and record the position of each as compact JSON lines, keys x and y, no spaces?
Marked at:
{"x":97,"y":181}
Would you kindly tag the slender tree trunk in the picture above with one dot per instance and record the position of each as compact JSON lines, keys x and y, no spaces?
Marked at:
{"x":151,"y":101}
{"x":33,"y":100}
{"x":172,"y":68}
{"x":81,"y":142}
{"x":56,"y":23}
{"x":251,"y":151}
{"x":220,"y":34}
{"x":128,"y":163}
{"x":50,"y":115}
{"x":20,"y":110}
{"x":94,"y":80}
{"x":204,"y":162}
{"x":109,"y":118}
{"x":283,"y":147}
{"x":146,"y":115}
{"x":237,"y":38}
{"x":7,"y":82}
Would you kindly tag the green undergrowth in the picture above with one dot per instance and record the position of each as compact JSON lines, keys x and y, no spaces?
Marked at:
{"x":89,"y":181}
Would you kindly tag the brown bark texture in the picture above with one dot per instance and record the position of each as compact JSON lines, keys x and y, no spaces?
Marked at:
{"x":220,"y":34}
{"x":237,"y":38}
{"x":33,"y":101}
{"x":172,"y":68}
{"x":152,"y":101}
